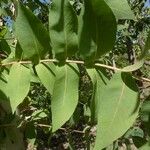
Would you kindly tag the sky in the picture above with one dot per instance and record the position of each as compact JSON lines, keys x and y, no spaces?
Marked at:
{"x":147,"y":4}
{"x":8,"y":20}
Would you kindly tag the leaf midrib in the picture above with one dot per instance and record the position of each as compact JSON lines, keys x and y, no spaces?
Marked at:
{"x":65,"y":90}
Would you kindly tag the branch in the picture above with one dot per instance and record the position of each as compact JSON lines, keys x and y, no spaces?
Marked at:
{"x":77,"y":62}
{"x":147,"y":63}
{"x":67,"y":61}
{"x":63,"y":129}
{"x":142,"y":79}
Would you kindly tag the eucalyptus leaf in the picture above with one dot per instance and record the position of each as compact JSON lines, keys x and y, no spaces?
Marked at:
{"x":94,"y":102}
{"x":121,"y":9}
{"x":63,"y":29}
{"x":3,"y":87}
{"x":31,"y":34}
{"x":65,"y":94}
{"x":118,"y":108}
{"x":146,"y":51}
{"x":18,"y":84}
{"x":134,"y":67}
{"x":46,"y":73}
{"x":3,"y":31}
{"x":97,"y":36}
{"x":5,"y":47}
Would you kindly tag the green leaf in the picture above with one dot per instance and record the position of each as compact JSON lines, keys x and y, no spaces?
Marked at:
{"x":134,"y":132}
{"x":121,"y":9}
{"x":146,"y":51}
{"x":145,"y":147}
{"x":5,"y":47}
{"x":145,"y":107}
{"x":3,"y":31}
{"x":18,"y":84}
{"x":30,"y":132}
{"x":97,"y":30}
{"x":32,"y":35}
{"x":3,"y":87}
{"x":118,"y":108}
{"x":145,"y":111}
{"x":63,"y":29}
{"x":3,"y":11}
{"x":33,"y":75}
{"x":65,"y":94}
{"x":46,"y":73}
{"x":94,"y":103}
{"x":134,"y":67}
{"x":18,"y":51}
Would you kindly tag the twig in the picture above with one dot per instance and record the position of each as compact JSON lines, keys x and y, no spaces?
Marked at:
{"x":63,"y":129}
{"x":147,"y":63}
{"x":74,"y":61}
{"x":108,"y":67}
{"x":67,"y":61}
{"x":142,"y":79}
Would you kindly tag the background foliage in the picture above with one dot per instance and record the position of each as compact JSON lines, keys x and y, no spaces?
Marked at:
{"x":61,"y":86}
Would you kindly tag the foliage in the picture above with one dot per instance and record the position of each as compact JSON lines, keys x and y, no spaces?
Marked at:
{"x":78,"y":70}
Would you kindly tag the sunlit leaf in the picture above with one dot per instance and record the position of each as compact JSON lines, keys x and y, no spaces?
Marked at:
{"x":18,"y":84}
{"x":118,"y":108}
{"x":134,"y":67}
{"x":3,"y":87}
{"x":65,"y":94}
{"x":32,"y":35}
{"x":121,"y":9}
{"x":3,"y":31}
{"x":46,"y":73}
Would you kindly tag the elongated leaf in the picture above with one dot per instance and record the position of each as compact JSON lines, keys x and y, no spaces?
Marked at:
{"x":3,"y":31}
{"x":5,"y":47}
{"x":97,"y":81}
{"x":97,"y":30}
{"x":121,"y":9}
{"x":134,"y":67}
{"x":146,"y":51}
{"x":18,"y":84}
{"x":46,"y":73}
{"x":32,"y":35}
{"x":65,"y":95}
{"x":33,"y":75}
{"x":3,"y":87}
{"x":118,"y":109}
{"x":63,"y":29}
